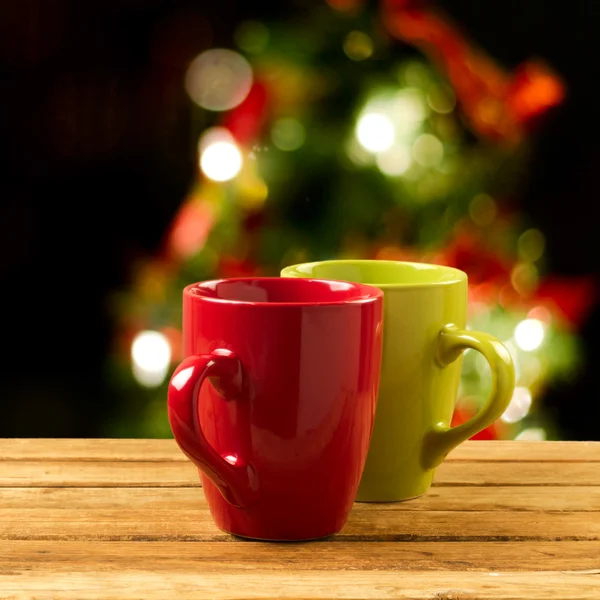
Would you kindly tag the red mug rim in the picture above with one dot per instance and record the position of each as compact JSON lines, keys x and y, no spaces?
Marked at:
{"x":363,"y":293}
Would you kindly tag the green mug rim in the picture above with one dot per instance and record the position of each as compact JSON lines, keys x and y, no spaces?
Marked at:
{"x":458,"y":275}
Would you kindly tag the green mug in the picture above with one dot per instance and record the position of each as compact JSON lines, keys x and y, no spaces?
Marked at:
{"x":425,"y":311}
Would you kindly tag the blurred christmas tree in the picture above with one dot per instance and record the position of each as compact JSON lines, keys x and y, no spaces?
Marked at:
{"x":361,"y":131}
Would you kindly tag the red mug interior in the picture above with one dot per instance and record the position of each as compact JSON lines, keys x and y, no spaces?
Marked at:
{"x":280,"y":290}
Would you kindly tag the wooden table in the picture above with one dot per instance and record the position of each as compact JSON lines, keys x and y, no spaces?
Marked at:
{"x":127,"y":519}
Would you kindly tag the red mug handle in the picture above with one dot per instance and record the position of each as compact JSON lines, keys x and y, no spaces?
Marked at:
{"x":236,"y":482}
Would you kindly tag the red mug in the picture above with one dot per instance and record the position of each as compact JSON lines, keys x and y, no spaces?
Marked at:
{"x":281,"y":429}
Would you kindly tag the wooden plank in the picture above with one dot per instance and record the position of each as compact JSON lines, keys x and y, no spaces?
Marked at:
{"x":517,"y":473}
{"x":182,"y":514}
{"x":97,"y":473}
{"x":111,"y":584}
{"x":524,"y":451}
{"x":26,"y":473}
{"x":81,"y":450}
{"x":217,"y":557}
{"x":481,"y":499}
{"x":167,"y":450}
{"x":364,"y":524}
{"x":377,"y":524}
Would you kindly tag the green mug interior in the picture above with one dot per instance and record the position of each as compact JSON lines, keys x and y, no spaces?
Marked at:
{"x":378,"y":272}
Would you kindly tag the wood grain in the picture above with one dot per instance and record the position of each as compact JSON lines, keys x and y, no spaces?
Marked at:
{"x":118,"y":584}
{"x":142,"y":514}
{"x":81,"y":450}
{"x":166,"y":450}
{"x":30,"y":473}
{"x":361,"y":526}
{"x":507,"y":499}
{"x":219,"y":557}
{"x":523,"y":451}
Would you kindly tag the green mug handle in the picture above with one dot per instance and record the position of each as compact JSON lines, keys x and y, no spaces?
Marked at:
{"x":452,"y":342}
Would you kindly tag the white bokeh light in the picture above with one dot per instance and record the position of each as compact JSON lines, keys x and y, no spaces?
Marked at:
{"x":531,"y":370}
{"x":529,"y":334}
{"x":532,"y":434}
{"x":150,"y":357}
{"x":218,"y":79}
{"x":428,"y":151}
{"x":221,"y":161}
{"x":220,"y":158}
{"x":395,"y":161}
{"x":519,"y":405}
{"x":408,"y":105}
{"x":375,"y":132}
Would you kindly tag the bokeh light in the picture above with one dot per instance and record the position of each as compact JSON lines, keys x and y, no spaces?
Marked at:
{"x":427,"y":150}
{"x":531,"y":245}
{"x":218,"y":79}
{"x":409,"y":110}
{"x":191,"y":229}
{"x":519,"y":406}
{"x":532,"y":434}
{"x":414,"y":73}
{"x":395,"y":161}
{"x":524,"y":278}
{"x":151,"y":357}
{"x":221,"y":161}
{"x":541,"y":313}
{"x":529,"y":334}
{"x":220,"y":158}
{"x":441,"y":99}
{"x":252,"y":37}
{"x":288,"y":134}
{"x":358,"y":46}
{"x":357,"y":153}
{"x":251,"y":188}
{"x":410,"y":106}
{"x":375,"y":132}
{"x":531,"y":370}
{"x":483,"y":210}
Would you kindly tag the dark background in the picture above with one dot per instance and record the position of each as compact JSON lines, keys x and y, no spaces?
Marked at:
{"x":95,"y":154}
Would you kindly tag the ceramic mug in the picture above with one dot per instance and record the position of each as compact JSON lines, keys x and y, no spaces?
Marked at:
{"x":425,"y":309}
{"x":275,"y":400}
